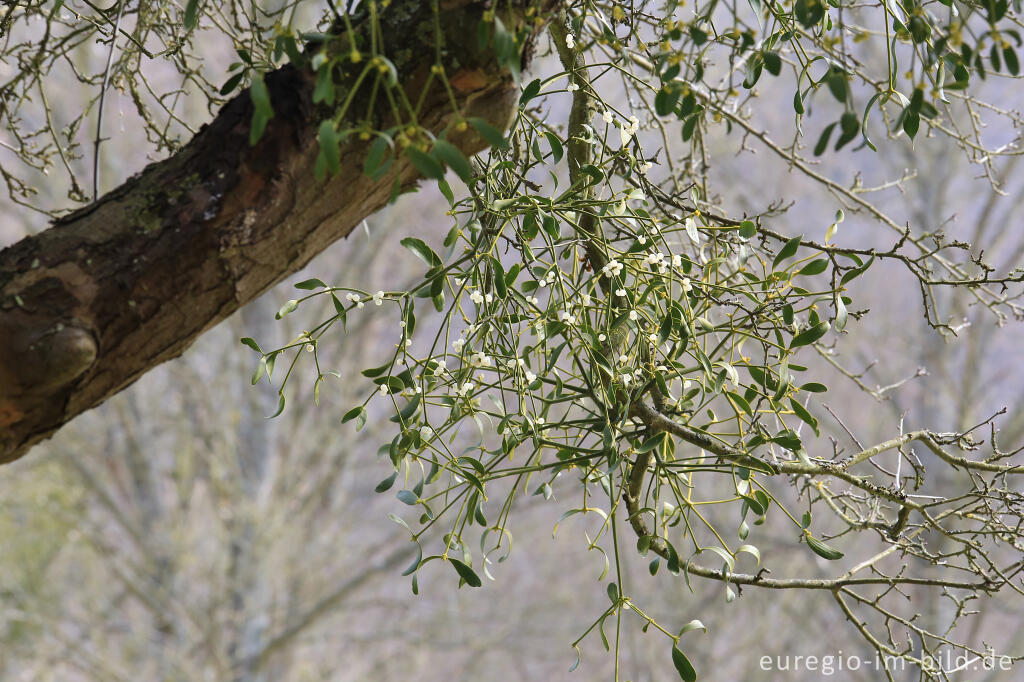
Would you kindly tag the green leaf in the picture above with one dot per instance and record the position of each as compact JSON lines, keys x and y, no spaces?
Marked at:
{"x":531,"y":228}
{"x":292,"y":50}
{"x":419,"y":554}
{"x":683,"y":665}
{"x":483,"y":34}
{"x":557,"y":152}
{"x":726,"y":557}
{"x":740,"y":402}
{"x":529,"y":92}
{"x":252,"y":344}
{"x":258,"y":127}
{"x":804,"y":416}
{"x":911,"y":123}
{"x":756,"y":504}
{"x":287,"y":308}
{"x":408,"y":411}
{"x":453,"y":157}
{"x":690,"y":125}
{"x":232,"y":83}
{"x":428,"y":166}
{"x":375,"y":156}
{"x":665,"y":329}
{"x":665,"y":100}
{"x":789,"y":440}
{"x":446,"y":190}
{"x":401,"y":522}
{"x":324,"y":91}
{"x":995,"y":57}
{"x":511,"y":275}
{"x":751,"y":550}
{"x":1012,"y":63}
{"x":916,"y":100}
{"x":920,"y":29}
{"x":809,"y":336}
{"x":864,"y":122}
{"x":408,"y":497}
{"x":492,"y":135}
{"x":551,"y":227}
{"x":694,"y":624}
{"x":466,"y":573}
{"x":837,"y":83}
{"x":748,"y":229}
{"x":579,"y":656}
{"x":755,"y":464}
{"x":310,"y":284}
{"x":280,"y":406}
{"x":809,"y":12}
{"x":822,"y":144}
{"x":506,"y":49}
{"x":261,"y":367}
{"x":191,"y":14}
{"x":357,"y":413}
{"x":328,"y":138}
{"x":788,"y":250}
{"x":500,"y":287}
{"x":316,"y":390}
{"x":814,"y":388}
{"x":386,"y":484}
{"x":815,"y":267}
{"x":755,"y":66}
{"x":849,"y":126}
{"x":394,"y":384}
{"x":593,"y":172}
{"x":419,"y":247}
{"x":653,"y":442}
{"x":373,"y":372}
{"x":841,"y":314}
{"x":262,"y":111}
{"x":823,"y":550}
{"x":857,"y":272}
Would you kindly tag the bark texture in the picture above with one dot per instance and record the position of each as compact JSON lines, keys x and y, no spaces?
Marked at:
{"x":130,"y":281}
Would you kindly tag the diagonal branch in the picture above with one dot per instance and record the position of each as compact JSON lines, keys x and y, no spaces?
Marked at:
{"x":130,"y":281}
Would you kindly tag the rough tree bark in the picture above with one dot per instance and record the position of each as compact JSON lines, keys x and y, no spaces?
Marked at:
{"x":129,"y":282}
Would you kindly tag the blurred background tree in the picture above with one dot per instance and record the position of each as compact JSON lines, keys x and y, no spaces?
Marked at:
{"x":175,"y":533}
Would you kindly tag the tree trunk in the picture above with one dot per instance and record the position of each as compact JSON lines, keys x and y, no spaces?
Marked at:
{"x":124,"y":284}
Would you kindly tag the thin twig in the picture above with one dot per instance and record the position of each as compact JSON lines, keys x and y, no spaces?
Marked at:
{"x":103,"y":93}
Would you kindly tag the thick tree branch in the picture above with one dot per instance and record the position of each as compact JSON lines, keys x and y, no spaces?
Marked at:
{"x":130,"y":281}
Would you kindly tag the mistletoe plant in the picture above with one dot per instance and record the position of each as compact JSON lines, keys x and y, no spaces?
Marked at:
{"x":599,"y":330}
